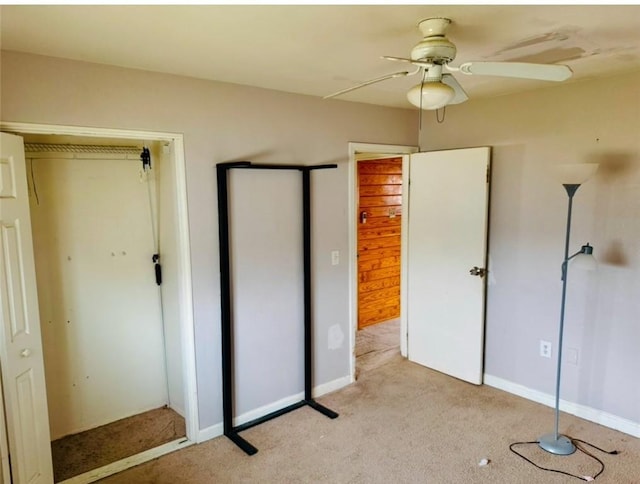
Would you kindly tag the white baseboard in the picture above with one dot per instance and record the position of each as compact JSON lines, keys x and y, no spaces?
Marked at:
{"x":582,"y":411}
{"x":218,"y":429}
{"x":210,"y":433}
{"x":290,"y":400}
{"x":331,"y":386}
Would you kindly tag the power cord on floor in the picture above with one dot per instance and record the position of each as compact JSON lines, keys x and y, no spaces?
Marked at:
{"x":580,"y":448}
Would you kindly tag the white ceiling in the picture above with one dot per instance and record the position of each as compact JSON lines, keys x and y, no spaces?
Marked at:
{"x":320,"y":49}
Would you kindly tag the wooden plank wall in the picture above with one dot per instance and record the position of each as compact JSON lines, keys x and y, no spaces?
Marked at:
{"x":380,"y":196}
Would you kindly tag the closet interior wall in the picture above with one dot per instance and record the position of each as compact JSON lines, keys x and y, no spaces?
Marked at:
{"x":111,"y":336}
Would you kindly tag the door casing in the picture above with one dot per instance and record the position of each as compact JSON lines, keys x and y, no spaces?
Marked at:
{"x":184,"y":262}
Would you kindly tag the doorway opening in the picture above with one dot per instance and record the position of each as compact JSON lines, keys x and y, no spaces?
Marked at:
{"x":377,"y":175}
{"x":113,"y":275}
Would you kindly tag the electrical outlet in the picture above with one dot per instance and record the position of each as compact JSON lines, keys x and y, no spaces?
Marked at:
{"x":545,"y":349}
{"x":335,"y":257}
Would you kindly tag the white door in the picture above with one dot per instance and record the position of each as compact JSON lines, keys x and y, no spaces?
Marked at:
{"x":5,"y":467}
{"x":447,"y":233}
{"x":25,"y":398}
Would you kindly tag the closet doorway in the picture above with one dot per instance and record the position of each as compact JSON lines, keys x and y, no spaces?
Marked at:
{"x":109,"y":239}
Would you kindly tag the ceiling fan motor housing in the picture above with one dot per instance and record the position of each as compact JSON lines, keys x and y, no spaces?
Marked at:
{"x":436,"y":49}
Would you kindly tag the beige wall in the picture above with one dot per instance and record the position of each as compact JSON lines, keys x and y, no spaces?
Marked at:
{"x":587,"y":121}
{"x":591,"y":121}
{"x":222,"y":122}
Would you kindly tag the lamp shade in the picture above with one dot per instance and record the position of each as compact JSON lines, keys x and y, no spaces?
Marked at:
{"x":435,"y":95}
{"x":575,"y":173}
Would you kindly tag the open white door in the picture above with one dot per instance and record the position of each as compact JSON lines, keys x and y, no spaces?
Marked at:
{"x":447,"y":234}
{"x":5,"y":467}
{"x":25,"y":398}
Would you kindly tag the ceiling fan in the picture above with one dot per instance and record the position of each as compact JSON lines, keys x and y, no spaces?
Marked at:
{"x":434,"y":53}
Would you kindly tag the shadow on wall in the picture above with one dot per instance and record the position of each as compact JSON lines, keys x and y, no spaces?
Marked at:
{"x":614,"y":254}
{"x":615,"y":167}
{"x":253,"y":157}
{"x":269,"y":157}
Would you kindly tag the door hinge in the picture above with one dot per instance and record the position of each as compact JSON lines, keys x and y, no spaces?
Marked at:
{"x":157,"y":268}
{"x":478,"y":271}
{"x":488,"y":173}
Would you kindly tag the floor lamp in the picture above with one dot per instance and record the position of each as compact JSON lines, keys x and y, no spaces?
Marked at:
{"x":572,"y":176}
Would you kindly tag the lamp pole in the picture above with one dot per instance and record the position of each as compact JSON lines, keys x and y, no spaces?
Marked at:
{"x":554,"y":442}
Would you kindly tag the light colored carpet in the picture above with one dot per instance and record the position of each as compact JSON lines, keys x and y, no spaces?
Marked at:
{"x":85,"y":451}
{"x":399,"y":423}
{"x":377,"y":345}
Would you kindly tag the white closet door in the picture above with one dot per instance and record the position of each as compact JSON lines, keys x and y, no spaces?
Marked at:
{"x":448,"y":201}
{"x":25,"y":399}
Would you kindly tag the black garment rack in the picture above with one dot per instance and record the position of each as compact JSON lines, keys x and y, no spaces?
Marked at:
{"x":225,"y":295}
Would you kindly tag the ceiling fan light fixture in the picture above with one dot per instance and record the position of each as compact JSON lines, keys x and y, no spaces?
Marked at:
{"x":435,"y":95}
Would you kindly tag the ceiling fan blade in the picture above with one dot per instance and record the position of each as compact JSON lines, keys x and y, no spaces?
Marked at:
{"x":368,"y":83}
{"x":411,"y":61}
{"x":460,"y":95}
{"x":523,"y":70}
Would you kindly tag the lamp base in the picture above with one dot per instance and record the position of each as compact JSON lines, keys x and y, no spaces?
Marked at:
{"x":560,"y":446}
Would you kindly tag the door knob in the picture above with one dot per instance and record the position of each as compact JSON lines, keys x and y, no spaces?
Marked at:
{"x":25,"y":353}
{"x":477,"y":271}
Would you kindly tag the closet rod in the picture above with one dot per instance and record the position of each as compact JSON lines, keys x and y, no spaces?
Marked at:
{"x":77,"y":148}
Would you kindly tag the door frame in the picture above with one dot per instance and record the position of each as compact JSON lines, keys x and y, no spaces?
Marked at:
{"x":359,"y":150}
{"x":185,"y":293}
